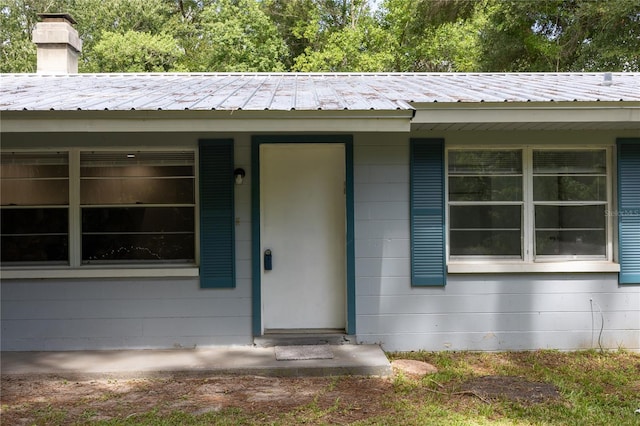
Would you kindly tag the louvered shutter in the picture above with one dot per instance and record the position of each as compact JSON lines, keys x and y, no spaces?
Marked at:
{"x":629,"y":210}
{"x":428,"y":266}
{"x":217,"y":247}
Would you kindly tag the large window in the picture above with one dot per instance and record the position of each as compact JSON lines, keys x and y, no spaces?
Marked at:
{"x":35,"y":208}
{"x":137,"y":206}
{"x":528,"y":204}
{"x":79,"y":208}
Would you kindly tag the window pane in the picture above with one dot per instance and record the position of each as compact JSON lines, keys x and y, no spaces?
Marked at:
{"x":126,"y":231}
{"x":136,"y":158}
{"x":570,"y":230}
{"x":137,"y":247}
{"x":570,"y":188}
{"x":35,"y":235}
{"x":563,"y":217}
{"x":138,"y":219}
{"x":151,"y":177}
{"x":568,"y":243}
{"x":137,"y":171}
{"x":19,"y":170}
{"x":485,"y":243}
{"x":138,"y":234}
{"x":467,"y":162}
{"x":34,"y":178}
{"x":570,"y":161}
{"x":137,"y":191}
{"x":485,"y":188}
{"x":485,"y":216}
{"x":485,"y":230}
{"x":34,"y":192}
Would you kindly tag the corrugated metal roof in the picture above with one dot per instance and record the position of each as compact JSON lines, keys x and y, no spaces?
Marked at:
{"x":292,"y":91}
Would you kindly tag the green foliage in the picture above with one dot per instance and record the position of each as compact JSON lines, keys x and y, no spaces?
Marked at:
{"x":561,"y":35}
{"x":360,"y":48}
{"x":434,"y":36}
{"x":236,"y":35}
{"x":337,"y":35}
{"x":136,"y":51}
{"x":17,"y":20}
{"x":124,"y":21}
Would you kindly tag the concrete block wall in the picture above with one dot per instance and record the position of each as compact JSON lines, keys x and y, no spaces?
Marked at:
{"x":472,"y":312}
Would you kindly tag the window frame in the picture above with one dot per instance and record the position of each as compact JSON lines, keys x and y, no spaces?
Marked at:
{"x":63,"y":206}
{"x":449,"y":203}
{"x":529,"y":262}
{"x":119,"y":164}
{"x":75,"y":268}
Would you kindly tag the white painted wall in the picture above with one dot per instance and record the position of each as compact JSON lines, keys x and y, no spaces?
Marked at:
{"x":476,"y":312}
{"x":473,"y":312}
{"x":110,"y":313}
{"x":114,"y":314}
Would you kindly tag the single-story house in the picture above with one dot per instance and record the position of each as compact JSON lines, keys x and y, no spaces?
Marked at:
{"x":418,"y":211}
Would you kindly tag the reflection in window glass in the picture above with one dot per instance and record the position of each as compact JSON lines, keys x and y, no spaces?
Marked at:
{"x":35,"y":196}
{"x":570,"y":198}
{"x":570,"y":230}
{"x":138,"y":207}
{"x":35,"y":235}
{"x":485,"y":230}
{"x":153,"y":233}
{"x":485,"y":202}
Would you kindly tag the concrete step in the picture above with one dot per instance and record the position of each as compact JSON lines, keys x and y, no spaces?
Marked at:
{"x":299,"y":339}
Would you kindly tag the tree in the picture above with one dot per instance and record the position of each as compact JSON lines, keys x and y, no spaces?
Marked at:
{"x":136,"y":51}
{"x":561,"y":35}
{"x":336,"y":35}
{"x":17,"y":21}
{"x":433,"y":35}
{"x":611,"y":36}
{"x":113,"y":19}
{"x":362,"y":47}
{"x":296,"y":21}
{"x":236,"y":35}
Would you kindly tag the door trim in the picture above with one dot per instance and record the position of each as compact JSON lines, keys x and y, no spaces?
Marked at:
{"x":256,"y":291}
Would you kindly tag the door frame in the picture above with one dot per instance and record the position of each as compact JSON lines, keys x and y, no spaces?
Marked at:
{"x":256,"y":260}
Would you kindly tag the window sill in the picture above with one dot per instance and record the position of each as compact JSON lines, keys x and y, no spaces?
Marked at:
{"x":546,"y":267}
{"x":34,"y":273}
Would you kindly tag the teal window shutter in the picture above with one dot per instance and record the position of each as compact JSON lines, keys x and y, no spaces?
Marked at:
{"x":217,"y":245}
{"x":428,"y":265}
{"x":628,"y":213}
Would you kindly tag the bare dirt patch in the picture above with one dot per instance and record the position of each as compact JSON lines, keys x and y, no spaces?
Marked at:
{"x":511,"y":388}
{"x":413,"y":368}
{"x":356,"y":397}
{"x":25,"y":398}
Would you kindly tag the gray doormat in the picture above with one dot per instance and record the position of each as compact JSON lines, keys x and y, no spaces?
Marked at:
{"x":291,"y":353}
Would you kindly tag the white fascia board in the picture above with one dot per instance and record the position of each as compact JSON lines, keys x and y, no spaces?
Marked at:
{"x":206,"y":121}
{"x":550,"y":112}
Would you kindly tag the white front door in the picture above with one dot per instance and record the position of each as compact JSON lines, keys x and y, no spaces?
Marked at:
{"x":302,"y":193}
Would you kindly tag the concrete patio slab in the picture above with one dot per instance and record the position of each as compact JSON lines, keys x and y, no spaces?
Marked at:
{"x":360,"y":360}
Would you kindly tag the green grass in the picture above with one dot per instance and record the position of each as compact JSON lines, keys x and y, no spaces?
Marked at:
{"x":595,"y":389}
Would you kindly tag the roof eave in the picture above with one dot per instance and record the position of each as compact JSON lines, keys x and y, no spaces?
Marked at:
{"x":207,"y":121}
{"x":618,"y":114}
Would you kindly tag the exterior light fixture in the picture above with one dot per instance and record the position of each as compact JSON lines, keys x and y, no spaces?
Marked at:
{"x":239,"y":174}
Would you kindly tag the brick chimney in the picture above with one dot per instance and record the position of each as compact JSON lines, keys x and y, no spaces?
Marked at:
{"x":58,"y":43}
